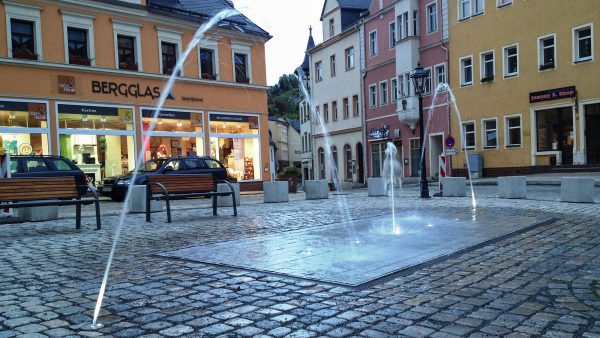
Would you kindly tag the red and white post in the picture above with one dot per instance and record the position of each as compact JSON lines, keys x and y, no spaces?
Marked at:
{"x":442,"y":171}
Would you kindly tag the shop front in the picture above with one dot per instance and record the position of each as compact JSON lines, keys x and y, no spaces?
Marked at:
{"x":174,"y":133}
{"x":99,"y":139}
{"x":24,"y":127}
{"x":378,"y":137}
{"x":235,"y":141}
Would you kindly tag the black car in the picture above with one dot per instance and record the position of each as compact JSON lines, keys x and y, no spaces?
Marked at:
{"x":116,"y":187}
{"x":47,"y":166}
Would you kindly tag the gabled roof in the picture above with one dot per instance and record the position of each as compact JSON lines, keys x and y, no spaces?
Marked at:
{"x":203,"y":10}
{"x":359,"y":5}
{"x":294,"y":124}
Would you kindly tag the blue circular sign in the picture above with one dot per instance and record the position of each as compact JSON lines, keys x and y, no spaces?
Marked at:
{"x":449,"y":141}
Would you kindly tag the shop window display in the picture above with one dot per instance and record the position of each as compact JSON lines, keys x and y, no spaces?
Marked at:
{"x":176,"y":133}
{"x":24,"y":128}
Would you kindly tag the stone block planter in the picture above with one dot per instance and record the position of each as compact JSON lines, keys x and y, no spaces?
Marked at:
{"x":38,"y":214}
{"x":316,"y":189}
{"x":577,"y":189}
{"x":512,"y":187}
{"x":276,"y":192}
{"x":454,"y":186}
{"x":137,"y":201}
{"x":225,"y":201}
{"x":376,"y":186}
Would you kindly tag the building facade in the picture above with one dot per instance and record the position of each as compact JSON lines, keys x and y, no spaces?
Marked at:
{"x":306,"y":112}
{"x":286,"y":135}
{"x":90,"y":74}
{"x":529,"y":101}
{"x":336,"y":88}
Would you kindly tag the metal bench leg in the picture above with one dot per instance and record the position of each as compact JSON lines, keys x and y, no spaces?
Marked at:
{"x":147,"y":204}
{"x":214,"y":202}
{"x":168,"y":209}
{"x":78,"y":216}
{"x":98,"y":225}
{"x":234,"y":204}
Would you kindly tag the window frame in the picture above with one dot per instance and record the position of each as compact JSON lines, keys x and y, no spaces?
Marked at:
{"x":331,"y":27}
{"x":576,"y":57}
{"x":462,"y":69}
{"x":483,"y":76}
{"x":428,"y":81}
{"x":373,"y":44}
{"x":437,"y":74}
{"x":84,"y":22}
{"x":242,"y":48}
{"x":429,"y":19}
{"x":332,"y":67}
{"x":130,"y":30}
{"x":373,"y":95}
{"x":503,"y":3}
{"x":392,"y":34}
{"x":461,"y":14}
{"x":505,"y":60}
{"x":484,"y":131}
{"x":24,"y":13}
{"x":349,"y":56}
{"x":213,"y":45}
{"x":345,"y":108}
{"x":325,"y":112}
{"x":355,"y":105}
{"x":318,"y":71}
{"x":334,"y":111}
{"x":348,"y":174}
{"x":543,"y":66}
{"x":464,"y":136}
{"x":383,"y":93}
{"x":507,"y":130}
{"x":394,"y":89}
{"x":172,"y":37}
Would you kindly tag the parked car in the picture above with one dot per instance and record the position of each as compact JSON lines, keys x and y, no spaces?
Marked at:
{"x":47,"y":166}
{"x":116,"y":187}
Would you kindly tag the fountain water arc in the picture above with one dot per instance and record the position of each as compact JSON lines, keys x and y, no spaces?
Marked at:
{"x":161,"y":101}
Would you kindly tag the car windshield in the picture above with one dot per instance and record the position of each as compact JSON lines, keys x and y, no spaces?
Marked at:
{"x":152,"y":165}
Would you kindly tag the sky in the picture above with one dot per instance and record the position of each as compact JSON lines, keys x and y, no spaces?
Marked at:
{"x":287,"y":21}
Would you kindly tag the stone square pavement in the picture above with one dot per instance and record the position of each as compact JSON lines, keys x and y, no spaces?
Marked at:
{"x":541,"y":282}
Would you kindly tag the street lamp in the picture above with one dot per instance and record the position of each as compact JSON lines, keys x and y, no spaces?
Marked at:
{"x":418,"y":77}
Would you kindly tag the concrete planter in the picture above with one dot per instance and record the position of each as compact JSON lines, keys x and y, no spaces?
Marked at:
{"x":512,"y":187}
{"x":137,"y":201}
{"x":577,"y":189}
{"x":454,"y":186}
{"x":376,"y":186}
{"x":225,"y":201}
{"x":316,"y":189}
{"x":276,"y":192}
{"x":38,"y":214}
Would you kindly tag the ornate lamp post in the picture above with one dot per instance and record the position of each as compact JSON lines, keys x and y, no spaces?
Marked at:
{"x":418,"y":77}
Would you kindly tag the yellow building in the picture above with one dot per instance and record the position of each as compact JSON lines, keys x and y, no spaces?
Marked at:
{"x":82,"y":79}
{"x":526,"y":79}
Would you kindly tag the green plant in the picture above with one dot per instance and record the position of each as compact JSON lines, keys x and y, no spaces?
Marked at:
{"x":231,"y":178}
{"x":291,"y":171}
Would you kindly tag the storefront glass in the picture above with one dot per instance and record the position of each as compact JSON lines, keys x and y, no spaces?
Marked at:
{"x":100,"y":140}
{"x":24,"y":127}
{"x":235,"y":142}
{"x":554,"y":129}
{"x":175,"y":133}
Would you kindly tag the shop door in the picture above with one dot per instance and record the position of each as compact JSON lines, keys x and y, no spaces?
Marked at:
{"x":415,"y":157}
{"x":592,"y":133}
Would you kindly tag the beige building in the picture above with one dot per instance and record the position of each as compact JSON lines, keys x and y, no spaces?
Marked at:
{"x":286,"y":135}
{"x":525,"y":75}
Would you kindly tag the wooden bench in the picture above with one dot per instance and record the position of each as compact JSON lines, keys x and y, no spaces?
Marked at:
{"x":46,"y":191}
{"x":172,"y":187}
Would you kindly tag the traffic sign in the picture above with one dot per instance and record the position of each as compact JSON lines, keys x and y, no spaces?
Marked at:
{"x":450,"y":142}
{"x":450,"y":152}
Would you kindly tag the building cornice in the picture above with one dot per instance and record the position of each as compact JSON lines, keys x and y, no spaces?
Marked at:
{"x":348,"y":32}
{"x":381,"y":64}
{"x":339,"y":132}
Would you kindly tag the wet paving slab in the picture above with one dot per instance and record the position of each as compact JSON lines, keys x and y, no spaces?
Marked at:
{"x":363,"y":251}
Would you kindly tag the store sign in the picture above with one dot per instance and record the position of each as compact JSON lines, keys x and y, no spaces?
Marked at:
{"x":14,"y":106}
{"x":36,"y":111}
{"x":552,"y":94}
{"x":166,"y":114}
{"x":253,"y":122}
{"x":379,"y":133}
{"x":229,"y":118}
{"x":89,"y":110}
{"x":66,"y":85}
{"x":127,"y":90}
{"x":192,"y":99}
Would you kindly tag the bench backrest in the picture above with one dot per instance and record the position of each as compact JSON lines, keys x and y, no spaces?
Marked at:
{"x":183,"y":183}
{"x":38,"y":188}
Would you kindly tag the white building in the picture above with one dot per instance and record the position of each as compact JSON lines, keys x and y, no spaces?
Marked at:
{"x":305,"y":113}
{"x":335,"y":80}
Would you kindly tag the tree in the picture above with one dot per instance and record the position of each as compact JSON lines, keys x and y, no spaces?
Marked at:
{"x":284,"y":97}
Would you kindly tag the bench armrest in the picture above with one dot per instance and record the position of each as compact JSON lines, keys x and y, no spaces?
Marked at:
{"x":229,"y":184}
{"x":162,"y":187}
{"x":90,"y":188}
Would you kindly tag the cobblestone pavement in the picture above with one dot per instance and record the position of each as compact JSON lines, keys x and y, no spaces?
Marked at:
{"x":543,"y":282}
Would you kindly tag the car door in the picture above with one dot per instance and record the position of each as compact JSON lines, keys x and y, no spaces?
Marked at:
{"x":215,"y":168}
{"x":174,"y":167}
{"x":195,"y":166}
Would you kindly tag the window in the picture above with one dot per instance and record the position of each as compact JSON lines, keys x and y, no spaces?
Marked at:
{"x":35,"y":165}
{"x":373,"y":95}
{"x":415,"y":23}
{"x":126,"y":52}
{"x":348,"y":161}
{"x":504,"y":3}
{"x":346,"y":108}
{"x":513,"y":131}
{"x":477,"y":7}
{"x":349,"y":58}
{"x":356,"y":105}
{"x":511,"y":61}
{"x":466,"y":71}
{"x":427,"y":81}
{"x":440,"y":74}
{"x":78,"y":46}
{"x":554,"y":129}
{"x":319,"y":71}
{"x":583,"y":44}
{"x":468,"y":135}
{"x":334,"y":111}
{"x":432,"y":23}
{"x":547,"y":52}
{"x":373,"y":43}
{"x":332,"y":64}
{"x":403,"y":25}
{"x":334,"y":164}
{"x":464,"y":10}
{"x":22,"y":39}
{"x":392,"y":34}
{"x":207,"y":64}
{"x":24,"y":27}
{"x":487,"y":67}
{"x":490,"y":133}
{"x":404,"y":80}
{"x":128,"y":45}
{"x":325,"y":112}
{"x":383,"y":91}
{"x":331,"y":27}
{"x":168,"y":57}
{"x":394,"y":90}
{"x":321,"y":163}
{"x":241,"y":68}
